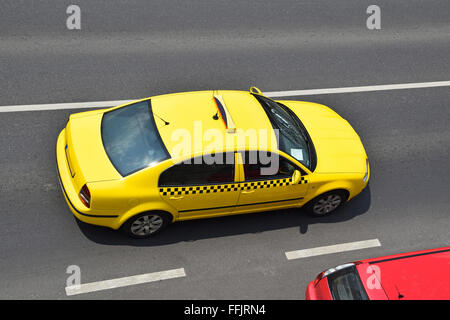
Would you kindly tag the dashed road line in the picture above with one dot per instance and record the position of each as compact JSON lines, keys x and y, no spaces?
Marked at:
{"x":349,"y":246}
{"x":273,"y":94}
{"x":125,"y":281}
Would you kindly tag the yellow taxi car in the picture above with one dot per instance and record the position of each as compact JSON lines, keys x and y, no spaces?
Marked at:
{"x":140,"y":166}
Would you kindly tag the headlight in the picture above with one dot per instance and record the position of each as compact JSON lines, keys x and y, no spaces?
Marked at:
{"x":366,"y":175}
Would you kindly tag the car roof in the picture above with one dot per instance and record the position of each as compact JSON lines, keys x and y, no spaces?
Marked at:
{"x":417,"y":275}
{"x":191,"y":116}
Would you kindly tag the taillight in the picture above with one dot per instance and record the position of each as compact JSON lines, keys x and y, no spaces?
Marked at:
{"x":85,"y":196}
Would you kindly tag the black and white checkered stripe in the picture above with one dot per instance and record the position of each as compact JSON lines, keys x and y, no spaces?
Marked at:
{"x":171,"y":191}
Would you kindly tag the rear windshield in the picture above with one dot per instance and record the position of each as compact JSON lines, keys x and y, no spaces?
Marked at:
{"x":131,"y":139}
{"x":345,"y":284}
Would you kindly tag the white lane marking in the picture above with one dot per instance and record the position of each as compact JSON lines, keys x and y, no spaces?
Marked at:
{"x":358,"y":89}
{"x":125,"y":281}
{"x":273,"y":94}
{"x":333,"y":249}
{"x":61,"y":106}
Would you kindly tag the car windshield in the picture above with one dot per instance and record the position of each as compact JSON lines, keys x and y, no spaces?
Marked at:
{"x":345,"y":284}
{"x":131,"y":139}
{"x":293,"y":138}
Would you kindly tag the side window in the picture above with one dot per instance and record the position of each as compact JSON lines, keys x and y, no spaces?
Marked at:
{"x":199,"y":171}
{"x":265,"y":166}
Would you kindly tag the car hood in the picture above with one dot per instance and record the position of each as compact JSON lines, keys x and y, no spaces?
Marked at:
{"x":338,"y":147}
{"x":84,"y":149}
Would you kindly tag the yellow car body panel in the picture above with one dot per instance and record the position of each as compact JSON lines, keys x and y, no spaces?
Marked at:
{"x":82,"y":159}
{"x":338,"y":147}
{"x":192,"y":112}
{"x":70,"y":190}
{"x":90,"y":161}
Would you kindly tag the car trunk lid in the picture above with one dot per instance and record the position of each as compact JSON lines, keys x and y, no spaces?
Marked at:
{"x":86,"y":157}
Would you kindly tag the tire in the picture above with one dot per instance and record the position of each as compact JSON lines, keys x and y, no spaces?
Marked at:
{"x":146,"y":224}
{"x":326,"y":203}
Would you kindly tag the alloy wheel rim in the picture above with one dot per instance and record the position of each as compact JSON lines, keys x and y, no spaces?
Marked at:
{"x":327,"y":204}
{"x":146,"y":225}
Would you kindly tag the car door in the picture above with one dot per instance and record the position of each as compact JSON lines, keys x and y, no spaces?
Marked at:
{"x":198,"y":189}
{"x":264,"y":191}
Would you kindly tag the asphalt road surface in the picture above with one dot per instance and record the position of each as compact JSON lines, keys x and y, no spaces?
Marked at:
{"x":135,"y":49}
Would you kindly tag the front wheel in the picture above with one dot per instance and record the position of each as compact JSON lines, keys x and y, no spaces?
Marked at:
{"x":326,"y":203}
{"x":146,"y":224}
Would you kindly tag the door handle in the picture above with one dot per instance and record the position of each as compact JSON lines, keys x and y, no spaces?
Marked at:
{"x":176,"y":197}
{"x":248,"y":191}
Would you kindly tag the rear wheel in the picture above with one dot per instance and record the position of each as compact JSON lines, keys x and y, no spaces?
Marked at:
{"x":326,"y":203}
{"x":146,"y":224}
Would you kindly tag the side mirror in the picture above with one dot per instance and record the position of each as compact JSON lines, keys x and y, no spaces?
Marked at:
{"x":296,"y":177}
{"x":255,"y":90}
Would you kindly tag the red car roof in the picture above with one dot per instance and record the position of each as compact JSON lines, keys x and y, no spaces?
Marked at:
{"x":420,"y":275}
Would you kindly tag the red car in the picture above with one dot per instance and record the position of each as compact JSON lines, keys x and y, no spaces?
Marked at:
{"x":420,"y":275}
